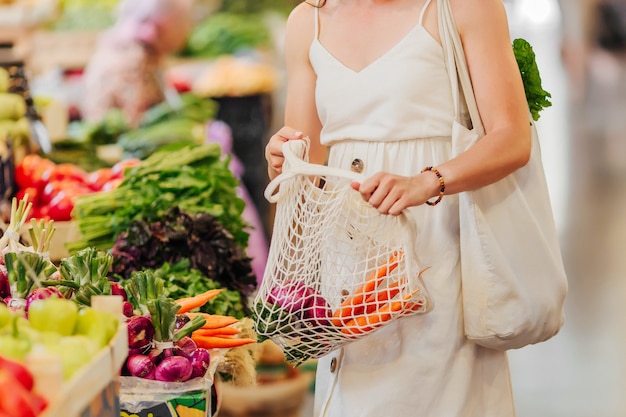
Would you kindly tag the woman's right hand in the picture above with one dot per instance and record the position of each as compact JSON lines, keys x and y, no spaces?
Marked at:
{"x":274,"y":149}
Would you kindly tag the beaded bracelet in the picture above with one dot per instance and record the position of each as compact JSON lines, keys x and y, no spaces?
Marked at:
{"x":442,"y":185}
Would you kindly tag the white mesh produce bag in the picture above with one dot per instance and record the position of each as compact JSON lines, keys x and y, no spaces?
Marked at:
{"x":337,"y":269}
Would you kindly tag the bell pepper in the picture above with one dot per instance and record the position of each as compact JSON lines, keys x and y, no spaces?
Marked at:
{"x":99,"y":326}
{"x":5,"y":315}
{"x":15,"y":400}
{"x":14,"y":345}
{"x":57,"y":315}
{"x":19,"y":372}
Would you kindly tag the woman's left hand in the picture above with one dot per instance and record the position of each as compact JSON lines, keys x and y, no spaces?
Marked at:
{"x":391,"y":194}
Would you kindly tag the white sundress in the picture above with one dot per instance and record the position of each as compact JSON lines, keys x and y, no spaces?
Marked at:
{"x":396,"y":115}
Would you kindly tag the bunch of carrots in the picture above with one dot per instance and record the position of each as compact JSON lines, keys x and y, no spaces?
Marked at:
{"x":373,"y":304}
{"x":218,"y":332}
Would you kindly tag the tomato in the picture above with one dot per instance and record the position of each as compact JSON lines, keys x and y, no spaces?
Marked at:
{"x":112,"y":184}
{"x":39,"y":212}
{"x":118,"y":169}
{"x":96,"y":179}
{"x":29,"y":172}
{"x":65,"y":171}
{"x":65,"y":186}
{"x":60,"y":207}
{"x":33,"y":194}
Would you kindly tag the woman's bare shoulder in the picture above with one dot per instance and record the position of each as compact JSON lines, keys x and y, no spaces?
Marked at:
{"x":301,"y":25}
{"x":302,"y":16}
{"x":483,"y":14}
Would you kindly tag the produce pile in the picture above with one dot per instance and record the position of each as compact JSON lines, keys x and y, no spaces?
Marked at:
{"x":180,"y":121}
{"x":14,"y":125}
{"x":226,"y":33}
{"x":45,"y":314}
{"x":301,"y":320}
{"x":49,"y":306}
{"x":175,"y":206}
{"x":52,"y":188}
{"x":169,"y":342}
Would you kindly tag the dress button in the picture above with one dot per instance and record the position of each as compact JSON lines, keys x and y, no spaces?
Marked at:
{"x":333,"y":364}
{"x":357,"y":165}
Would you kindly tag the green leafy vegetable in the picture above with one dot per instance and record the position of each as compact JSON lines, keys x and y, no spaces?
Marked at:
{"x":26,"y":271}
{"x":192,"y":254}
{"x":226,"y":33}
{"x":84,"y":275}
{"x":142,"y":287}
{"x":183,"y":281}
{"x":195,"y":178}
{"x":163,"y":313}
{"x":537,"y":97}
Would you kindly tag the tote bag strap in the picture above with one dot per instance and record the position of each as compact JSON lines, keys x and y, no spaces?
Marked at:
{"x":454,"y":55}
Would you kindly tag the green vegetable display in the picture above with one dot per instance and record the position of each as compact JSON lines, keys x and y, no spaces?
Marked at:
{"x":195,"y":178}
{"x":226,"y":33}
{"x":84,"y":274}
{"x":537,"y":97}
{"x":182,"y":281}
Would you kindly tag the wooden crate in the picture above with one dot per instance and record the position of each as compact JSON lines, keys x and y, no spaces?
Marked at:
{"x":69,"y":50}
{"x":94,"y":390}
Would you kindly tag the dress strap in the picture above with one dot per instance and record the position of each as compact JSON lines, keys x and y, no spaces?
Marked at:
{"x":317,"y":18}
{"x":423,"y":11}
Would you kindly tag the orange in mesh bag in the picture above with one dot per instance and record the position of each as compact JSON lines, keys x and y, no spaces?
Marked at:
{"x":337,"y":269}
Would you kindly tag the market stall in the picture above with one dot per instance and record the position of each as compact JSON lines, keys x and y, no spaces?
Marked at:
{"x":159,"y":208}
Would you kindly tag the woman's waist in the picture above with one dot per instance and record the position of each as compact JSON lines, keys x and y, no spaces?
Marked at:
{"x":383,"y":141}
{"x":331,"y":135}
{"x":401,"y":156}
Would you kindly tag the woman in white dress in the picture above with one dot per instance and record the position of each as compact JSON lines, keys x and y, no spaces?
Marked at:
{"x":367,"y":83}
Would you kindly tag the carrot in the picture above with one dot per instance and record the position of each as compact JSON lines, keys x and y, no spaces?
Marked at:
{"x":354,"y":305}
{"x":214,"y":342}
{"x":379,"y":297}
{"x":214,"y":321}
{"x":368,"y":322}
{"x":189,"y":303}
{"x":222,"y":331}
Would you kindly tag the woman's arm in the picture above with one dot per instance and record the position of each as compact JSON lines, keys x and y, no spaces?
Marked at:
{"x":501,"y":101}
{"x":300,"y":111}
{"x":500,"y":96}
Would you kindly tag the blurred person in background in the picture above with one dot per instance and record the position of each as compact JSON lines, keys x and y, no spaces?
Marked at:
{"x":125,"y":70}
{"x":594,"y":52}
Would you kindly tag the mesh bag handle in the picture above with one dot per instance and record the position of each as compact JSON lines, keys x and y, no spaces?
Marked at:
{"x":337,"y":269}
{"x":296,"y":163}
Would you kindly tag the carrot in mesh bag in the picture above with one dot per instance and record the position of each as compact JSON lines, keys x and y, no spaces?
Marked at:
{"x":382,"y":306}
{"x":356,"y":303}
